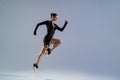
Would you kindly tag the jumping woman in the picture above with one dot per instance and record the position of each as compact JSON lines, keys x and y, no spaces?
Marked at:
{"x":48,"y":39}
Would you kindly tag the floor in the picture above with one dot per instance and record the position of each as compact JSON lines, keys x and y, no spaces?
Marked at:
{"x":51,"y":75}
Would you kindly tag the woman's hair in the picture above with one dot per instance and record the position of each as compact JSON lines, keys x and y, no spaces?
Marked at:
{"x":54,"y":14}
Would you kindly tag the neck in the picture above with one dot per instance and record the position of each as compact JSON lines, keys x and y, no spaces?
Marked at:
{"x":52,"y":20}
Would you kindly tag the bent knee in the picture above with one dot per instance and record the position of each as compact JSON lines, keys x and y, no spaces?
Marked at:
{"x":59,"y":41}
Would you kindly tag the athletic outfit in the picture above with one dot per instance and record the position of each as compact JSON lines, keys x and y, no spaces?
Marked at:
{"x":50,"y":30}
{"x":51,"y":27}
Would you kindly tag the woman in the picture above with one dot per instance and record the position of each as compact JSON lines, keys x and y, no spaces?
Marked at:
{"x":48,"y":39}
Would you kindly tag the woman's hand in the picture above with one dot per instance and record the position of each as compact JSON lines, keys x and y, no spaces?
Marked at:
{"x":66,"y":21}
{"x":34,"y":33}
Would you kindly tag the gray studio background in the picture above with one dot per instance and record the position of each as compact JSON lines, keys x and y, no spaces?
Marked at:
{"x":90,"y":42}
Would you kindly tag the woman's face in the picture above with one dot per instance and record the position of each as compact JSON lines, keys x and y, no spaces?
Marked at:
{"x":54,"y":18}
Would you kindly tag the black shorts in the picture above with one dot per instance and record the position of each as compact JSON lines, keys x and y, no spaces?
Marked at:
{"x":46,"y":41}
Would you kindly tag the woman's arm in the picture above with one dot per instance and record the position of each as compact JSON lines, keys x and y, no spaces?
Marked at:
{"x":35,"y":30}
{"x":61,"y":29}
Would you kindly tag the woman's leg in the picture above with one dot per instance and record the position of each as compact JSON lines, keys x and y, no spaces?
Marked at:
{"x":44,"y":49}
{"x":55,"y":42}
